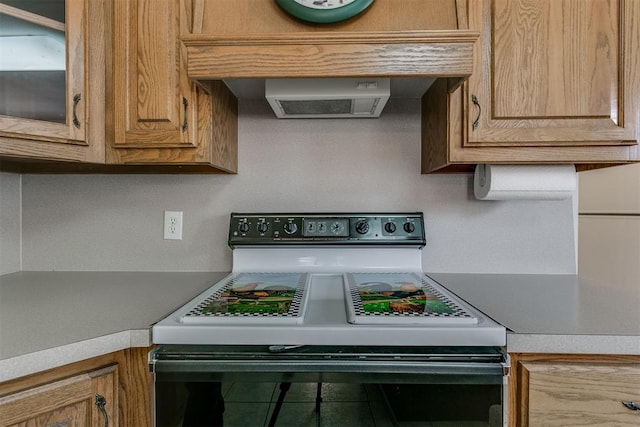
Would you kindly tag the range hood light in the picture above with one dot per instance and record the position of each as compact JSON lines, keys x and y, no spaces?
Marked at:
{"x":327,"y":98}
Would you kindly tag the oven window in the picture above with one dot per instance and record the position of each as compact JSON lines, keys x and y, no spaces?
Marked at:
{"x":249,"y":403}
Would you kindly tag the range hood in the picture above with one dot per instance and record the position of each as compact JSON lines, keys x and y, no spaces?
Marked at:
{"x":394,"y":39}
{"x":327,"y":98}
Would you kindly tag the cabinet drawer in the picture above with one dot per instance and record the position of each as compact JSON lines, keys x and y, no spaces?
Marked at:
{"x":580,"y":394}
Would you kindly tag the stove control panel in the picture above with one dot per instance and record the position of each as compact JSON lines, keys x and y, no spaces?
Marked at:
{"x":257,"y":229}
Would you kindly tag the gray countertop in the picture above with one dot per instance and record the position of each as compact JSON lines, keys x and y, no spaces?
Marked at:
{"x":48,"y":319}
{"x":554,"y":313}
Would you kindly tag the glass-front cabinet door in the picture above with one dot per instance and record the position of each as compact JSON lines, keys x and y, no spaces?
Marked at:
{"x":42,"y":71}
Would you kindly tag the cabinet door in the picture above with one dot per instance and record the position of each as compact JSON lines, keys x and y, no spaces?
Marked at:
{"x":160,"y":116}
{"x":562,"y":394}
{"x":42,"y":71}
{"x":88,"y":399}
{"x":154,"y":105}
{"x":554,"y":72}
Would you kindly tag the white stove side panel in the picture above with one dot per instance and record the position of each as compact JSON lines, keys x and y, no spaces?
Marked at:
{"x":327,"y":260}
{"x":325,"y":323}
{"x":330,"y":334}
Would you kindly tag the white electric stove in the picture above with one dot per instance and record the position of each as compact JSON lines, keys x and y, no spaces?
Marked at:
{"x":328,"y":279}
{"x":329,"y":298}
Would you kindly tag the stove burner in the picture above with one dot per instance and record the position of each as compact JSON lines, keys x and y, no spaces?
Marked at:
{"x":254,"y":295}
{"x":400,"y":298}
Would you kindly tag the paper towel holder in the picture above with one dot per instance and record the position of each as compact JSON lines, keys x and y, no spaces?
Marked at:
{"x":482,"y":174}
{"x":524,"y":181}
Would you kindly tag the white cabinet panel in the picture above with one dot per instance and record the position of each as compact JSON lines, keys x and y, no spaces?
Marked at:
{"x":609,"y":248}
{"x":611,"y":190}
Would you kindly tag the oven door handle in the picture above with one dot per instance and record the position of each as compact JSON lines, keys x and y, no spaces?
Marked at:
{"x":492,"y":372}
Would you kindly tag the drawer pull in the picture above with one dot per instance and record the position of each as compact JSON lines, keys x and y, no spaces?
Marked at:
{"x":185,"y":122}
{"x":76,"y":100}
{"x":476,"y":122}
{"x":631,"y":405}
{"x":101,"y":402}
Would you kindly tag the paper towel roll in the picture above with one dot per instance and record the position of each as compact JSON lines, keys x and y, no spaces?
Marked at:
{"x":524,"y":182}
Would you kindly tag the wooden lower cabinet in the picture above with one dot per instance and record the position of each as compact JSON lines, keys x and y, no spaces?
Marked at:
{"x":110,"y":390}
{"x":89,"y":398}
{"x":573,"y":390}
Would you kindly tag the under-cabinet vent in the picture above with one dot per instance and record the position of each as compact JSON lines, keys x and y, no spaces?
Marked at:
{"x":327,"y":98}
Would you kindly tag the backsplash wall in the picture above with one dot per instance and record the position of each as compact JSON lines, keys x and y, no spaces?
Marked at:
{"x":10,"y":222}
{"x":114,"y":222}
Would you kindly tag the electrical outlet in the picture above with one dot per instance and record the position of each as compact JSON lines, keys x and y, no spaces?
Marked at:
{"x":172,"y":225}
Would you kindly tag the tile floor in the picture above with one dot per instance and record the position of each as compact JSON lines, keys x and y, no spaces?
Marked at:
{"x":343,"y":405}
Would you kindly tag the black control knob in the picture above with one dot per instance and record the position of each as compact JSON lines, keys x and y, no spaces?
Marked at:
{"x":409,"y":227}
{"x":290,"y":227}
{"x":362,"y":227}
{"x":390,"y":227}
{"x":243,"y":227}
{"x":263,"y":227}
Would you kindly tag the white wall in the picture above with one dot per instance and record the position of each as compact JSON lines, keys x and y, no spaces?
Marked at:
{"x":114,"y":222}
{"x":9,"y":223}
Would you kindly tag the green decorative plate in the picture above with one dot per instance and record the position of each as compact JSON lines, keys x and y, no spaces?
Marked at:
{"x":324,"y":11}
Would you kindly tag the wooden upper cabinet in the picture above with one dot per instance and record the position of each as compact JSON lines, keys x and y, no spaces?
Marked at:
{"x":556,"y":72}
{"x":154,"y":101}
{"x":159,"y":115}
{"x":238,"y":18}
{"x":392,"y":38}
{"x":554,"y":81}
{"x":52,"y":85}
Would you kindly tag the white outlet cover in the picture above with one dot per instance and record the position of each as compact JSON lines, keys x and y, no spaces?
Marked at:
{"x":172,"y":225}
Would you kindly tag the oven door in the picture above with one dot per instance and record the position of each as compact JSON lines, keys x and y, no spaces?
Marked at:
{"x":313,"y":385}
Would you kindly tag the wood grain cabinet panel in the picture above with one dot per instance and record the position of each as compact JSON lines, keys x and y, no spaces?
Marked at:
{"x":160,"y":116}
{"x":88,"y":399}
{"x":573,"y":390}
{"x":576,"y":394}
{"x":394,"y":38}
{"x":66,"y":395}
{"x":554,"y":81}
{"x":553,"y":71}
{"x":153,"y":105}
